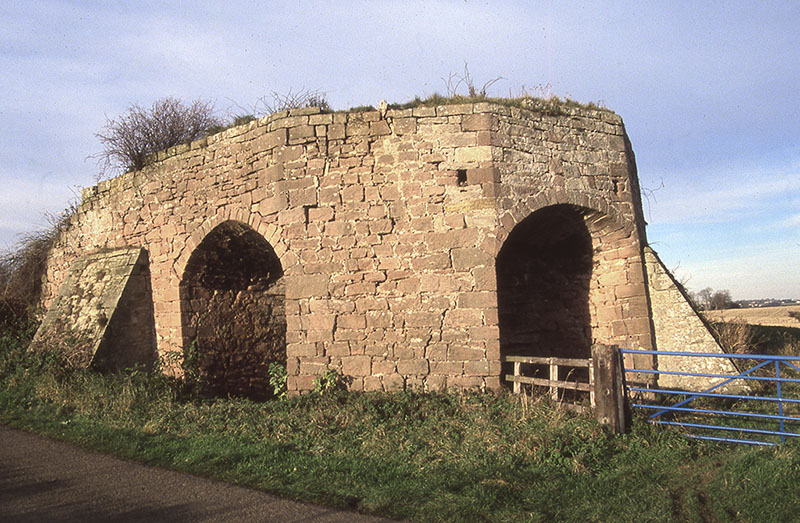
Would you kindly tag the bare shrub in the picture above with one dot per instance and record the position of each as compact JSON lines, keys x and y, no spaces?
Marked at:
{"x":130,"y":140}
{"x":278,"y":102}
{"x":736,"y":337}
{"x":22,"y":269}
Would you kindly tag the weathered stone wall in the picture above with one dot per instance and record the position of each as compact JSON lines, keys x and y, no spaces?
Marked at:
{"x":581,"y":165}
{"x":387,"y":228}
{"x":679,"y":328}
{"x":103,"y":314}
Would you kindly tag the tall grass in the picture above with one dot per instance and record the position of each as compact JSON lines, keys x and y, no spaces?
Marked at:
{"x":427,"y":457}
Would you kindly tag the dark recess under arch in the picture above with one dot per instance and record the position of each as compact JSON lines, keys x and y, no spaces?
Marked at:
{"x":544,"y":270}
{"x":233,"y":312}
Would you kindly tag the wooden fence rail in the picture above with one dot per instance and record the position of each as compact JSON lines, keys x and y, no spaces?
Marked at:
{"x":517,"y":379}
{"x":605,"y":386}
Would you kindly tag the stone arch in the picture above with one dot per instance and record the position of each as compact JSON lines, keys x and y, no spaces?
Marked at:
{"x":233,"y":315}
{"x":269,"y":231}
{"x":602,"y":208}
{"x":556,"y":273}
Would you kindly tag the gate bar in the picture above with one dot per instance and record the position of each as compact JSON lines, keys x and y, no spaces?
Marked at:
{"x":726,"y":427}
{"x":710,"y":411}
{"x":713,"y":395}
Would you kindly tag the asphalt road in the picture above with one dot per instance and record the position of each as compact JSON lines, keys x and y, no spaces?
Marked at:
{"x":46,"y":480}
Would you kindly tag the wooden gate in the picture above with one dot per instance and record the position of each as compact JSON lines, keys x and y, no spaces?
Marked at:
{"x":556,"y":387}
{"x":604,"y":382}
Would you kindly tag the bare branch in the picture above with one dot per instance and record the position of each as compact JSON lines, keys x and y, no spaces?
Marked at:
{"x":292,"y":100}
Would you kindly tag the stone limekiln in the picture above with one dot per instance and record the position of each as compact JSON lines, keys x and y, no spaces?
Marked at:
{"x":406,"y":248}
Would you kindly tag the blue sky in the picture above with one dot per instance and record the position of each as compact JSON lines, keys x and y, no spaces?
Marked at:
{"x":708,"y":92}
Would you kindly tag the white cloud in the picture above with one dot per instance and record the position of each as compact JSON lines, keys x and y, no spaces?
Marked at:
{"x":732,"y":196}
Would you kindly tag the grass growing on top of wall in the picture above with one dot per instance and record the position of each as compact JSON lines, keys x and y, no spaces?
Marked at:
{"x":427,"y":457}
{"x":550,"y":106}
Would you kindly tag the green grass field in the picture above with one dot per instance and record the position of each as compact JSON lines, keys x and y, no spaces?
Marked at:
{"x":424,"y":457}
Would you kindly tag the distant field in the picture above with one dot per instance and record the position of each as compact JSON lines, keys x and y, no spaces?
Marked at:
{"x":775,"y":316}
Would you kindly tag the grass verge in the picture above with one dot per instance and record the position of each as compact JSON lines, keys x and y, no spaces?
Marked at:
{"x":426,"y":457}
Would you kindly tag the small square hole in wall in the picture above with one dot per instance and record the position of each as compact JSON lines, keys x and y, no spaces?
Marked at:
{"x":461,"y":177}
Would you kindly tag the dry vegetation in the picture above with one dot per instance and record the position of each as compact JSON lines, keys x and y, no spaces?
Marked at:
{"x":773,"y":316}
{"x":22,"y":269}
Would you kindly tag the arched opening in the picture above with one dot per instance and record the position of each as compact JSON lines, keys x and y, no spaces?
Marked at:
{"x":544,"y":272}
{"x":233,"y":312}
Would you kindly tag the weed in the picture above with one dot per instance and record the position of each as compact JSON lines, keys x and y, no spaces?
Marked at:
{"x":192,"y":373}
{"x":330,"y":381}
{"x":277,"y":379}
{"x":22,"y":269}
{"x":457,"y":81}
{"x":736,"y":337}
{"x":361,"y":109}
{"x":292,"y":99}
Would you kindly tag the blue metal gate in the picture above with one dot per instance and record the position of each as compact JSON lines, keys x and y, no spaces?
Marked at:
{"x":766,"y":413}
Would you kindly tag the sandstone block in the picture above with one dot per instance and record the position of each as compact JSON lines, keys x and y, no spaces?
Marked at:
{"x":318,"y":321}
{"x":435,"y":383}
{"x":465,"y":382}
{"x":476,"y":122}
{"x":417,"y":367}
{"x":436,"y":351}
{"x":469,"y":258}
{"x":447,"y":368}
{"x":353,"y":193}
{"x":320,"y":214}
{"x":477,"y":300}
{"x":337,"y":349}
{"x":423,"y":319}
{"x":301,"y":350}
{"x":349,"y":335}
{"x":490,"y":332}
{"x":356,"y":365}
{"x":372,"y":383}
{"x":379,"y":128}
{"x":404,"y":125}
{"x":460,"y":353}
{"x":483,"y":175}
{"x":273,"y":205}
{"x":314,"y":336}
{"x":474,"y":155}
{"x":393,"y":382}
{"x":351,"y":321}
{"x":309,"y":286}
{"x":447,"y":110}
{"x":476,"y":368}
{"x":433,"y":261}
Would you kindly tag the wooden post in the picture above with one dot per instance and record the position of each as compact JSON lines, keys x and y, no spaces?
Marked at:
{"x":553,"y":377}
{"x":610,"y":408}
{"x":516,"y":385}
